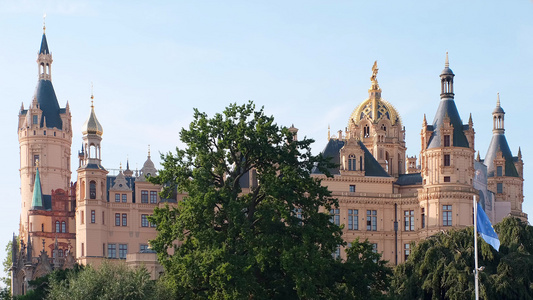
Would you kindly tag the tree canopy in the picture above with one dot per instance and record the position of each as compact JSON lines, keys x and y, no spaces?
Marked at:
{"x":254,"y":223}
{"x":108,"y":281}
{"x":441,"y":267}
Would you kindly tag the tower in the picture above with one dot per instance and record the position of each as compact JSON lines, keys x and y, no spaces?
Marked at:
{"x":447,"y":163}
{"x":45,"y":138}
{"x":504,"y":171}
{"x":47,"y":206}
{"x":91,"y":193}
{"x":378,"y":125}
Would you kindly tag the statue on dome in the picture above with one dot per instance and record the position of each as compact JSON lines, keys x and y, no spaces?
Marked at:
{"x":374,"y":72}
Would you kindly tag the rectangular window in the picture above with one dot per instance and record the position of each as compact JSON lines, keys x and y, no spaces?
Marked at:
{"x":112,"y":250}
{"x":446,"y":160}
{"x":499,"y":188}
{"x":35,"y":119}
{"x":353,"y":219}
{"x":124,"y":198}
{"x":423,"y":217}
{"x":117,"y":197}
{"x":144,"y":221}
{"x":124,"y":220}
{"x":153,"y":197}
{"x":103,"y":219}
{"x":93,"y":216}
{"x":144,"y":196}
{"x":122,"y":251}
{"x":406,"y":250}
{"x":82,"y":219}
{"x":144,"y":248}
{"x":82,"y":249}
{"x":375,"y":248}
{"x":446,"y":141}
{"x":352,"y":188}
{"x":335,"y":216}
{"x":371,"y":220}
{"x":409,"y":220}
{"x":117,"y":219}
{"x":499,"y":171}
{"x":446,"y":178}
{"x":446,"y":215}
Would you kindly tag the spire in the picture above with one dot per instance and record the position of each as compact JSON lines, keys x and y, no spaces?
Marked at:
{"x":28,"y":250}
{"x":447,"y":62}
{"x":498,"y":116}
{"x":92,"y":125}
{"x":498,"y":100}
{"x":148,"y":151}
{"x":37,"y":200}
{"x":329,"y":132}
{"x":519,"y":153}
{"x":478,"y":158}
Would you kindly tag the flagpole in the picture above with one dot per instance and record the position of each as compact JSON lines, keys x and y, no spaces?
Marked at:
{"x":476,"y":270}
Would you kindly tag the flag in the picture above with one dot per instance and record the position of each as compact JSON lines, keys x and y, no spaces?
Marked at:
{"x":485,"y":229}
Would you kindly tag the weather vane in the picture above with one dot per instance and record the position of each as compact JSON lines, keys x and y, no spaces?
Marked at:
{"x":44,"y":22}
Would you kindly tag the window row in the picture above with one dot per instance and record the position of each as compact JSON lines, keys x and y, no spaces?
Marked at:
{"x":122,"y":250}
{"x":371,"y":218}
{"x":144,"y":196}
{"x":61,"y":227}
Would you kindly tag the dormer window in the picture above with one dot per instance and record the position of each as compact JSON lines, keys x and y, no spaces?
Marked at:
{"x":499,"y":171}
{"x":35,"y":119}
{"x":352,"y":162}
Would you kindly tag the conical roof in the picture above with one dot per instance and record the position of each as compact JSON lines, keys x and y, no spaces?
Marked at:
{"x":44,"y":46}
{"x":37,"y":200}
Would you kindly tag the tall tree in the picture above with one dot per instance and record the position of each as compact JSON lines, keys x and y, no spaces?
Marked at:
{"x":441,"y":267}
{"x":254,"y":224}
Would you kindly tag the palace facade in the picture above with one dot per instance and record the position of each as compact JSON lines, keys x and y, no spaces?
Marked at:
{"x":386,"y":197}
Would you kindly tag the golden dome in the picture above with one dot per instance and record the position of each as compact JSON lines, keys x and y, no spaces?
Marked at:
{"x":365,"y":111}
{"x":92,"y":126}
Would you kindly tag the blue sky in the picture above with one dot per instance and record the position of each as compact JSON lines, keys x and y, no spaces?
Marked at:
{"x":306,"y":62}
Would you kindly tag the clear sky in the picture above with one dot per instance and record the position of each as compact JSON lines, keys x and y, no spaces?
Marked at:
{"x":307,"y":62}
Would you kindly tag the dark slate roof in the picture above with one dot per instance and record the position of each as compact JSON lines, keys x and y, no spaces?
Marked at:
{"x":409,"y":179}
{"x":93,"y":166}
{"x":499,"y":142}
{"x":44,"y":46}
{"x":447,"y":107}
{"x":447,"y":71}
{"x":46,"y":97}
{"x":332,"y":150}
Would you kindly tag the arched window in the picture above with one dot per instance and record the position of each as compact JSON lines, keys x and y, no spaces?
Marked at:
{"x":366,"y":131}
{"x":58,"y":229}
{"x":352,"y":162}
{"x":383,"y":127}
{"x":63,"y":226}
{"x":60,"y":252}
{"x":92,"y":190}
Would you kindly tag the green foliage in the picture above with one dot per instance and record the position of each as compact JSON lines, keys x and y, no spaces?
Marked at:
{"x":40,"y":286}
{"x":441,"y":267}
{"x":7,"y":263}
{"x":108,"y":281}
{"x":237,"y":243}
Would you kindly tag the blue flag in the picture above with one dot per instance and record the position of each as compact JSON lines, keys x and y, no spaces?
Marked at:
{"x":485,"y":228}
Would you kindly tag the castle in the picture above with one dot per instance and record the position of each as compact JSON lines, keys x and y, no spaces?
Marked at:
{"x":384,"y":196}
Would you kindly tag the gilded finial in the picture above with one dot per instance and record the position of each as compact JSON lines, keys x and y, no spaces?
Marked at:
{"x":120,"y":166}
{"x":447,"y":62}
{"x":329,"y":132}
{"x":37,"y":163}
{"x":498,"y":100}
{"x":148,"y":150}
{"x":375,"y":69}
{"x":44,"y":23}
